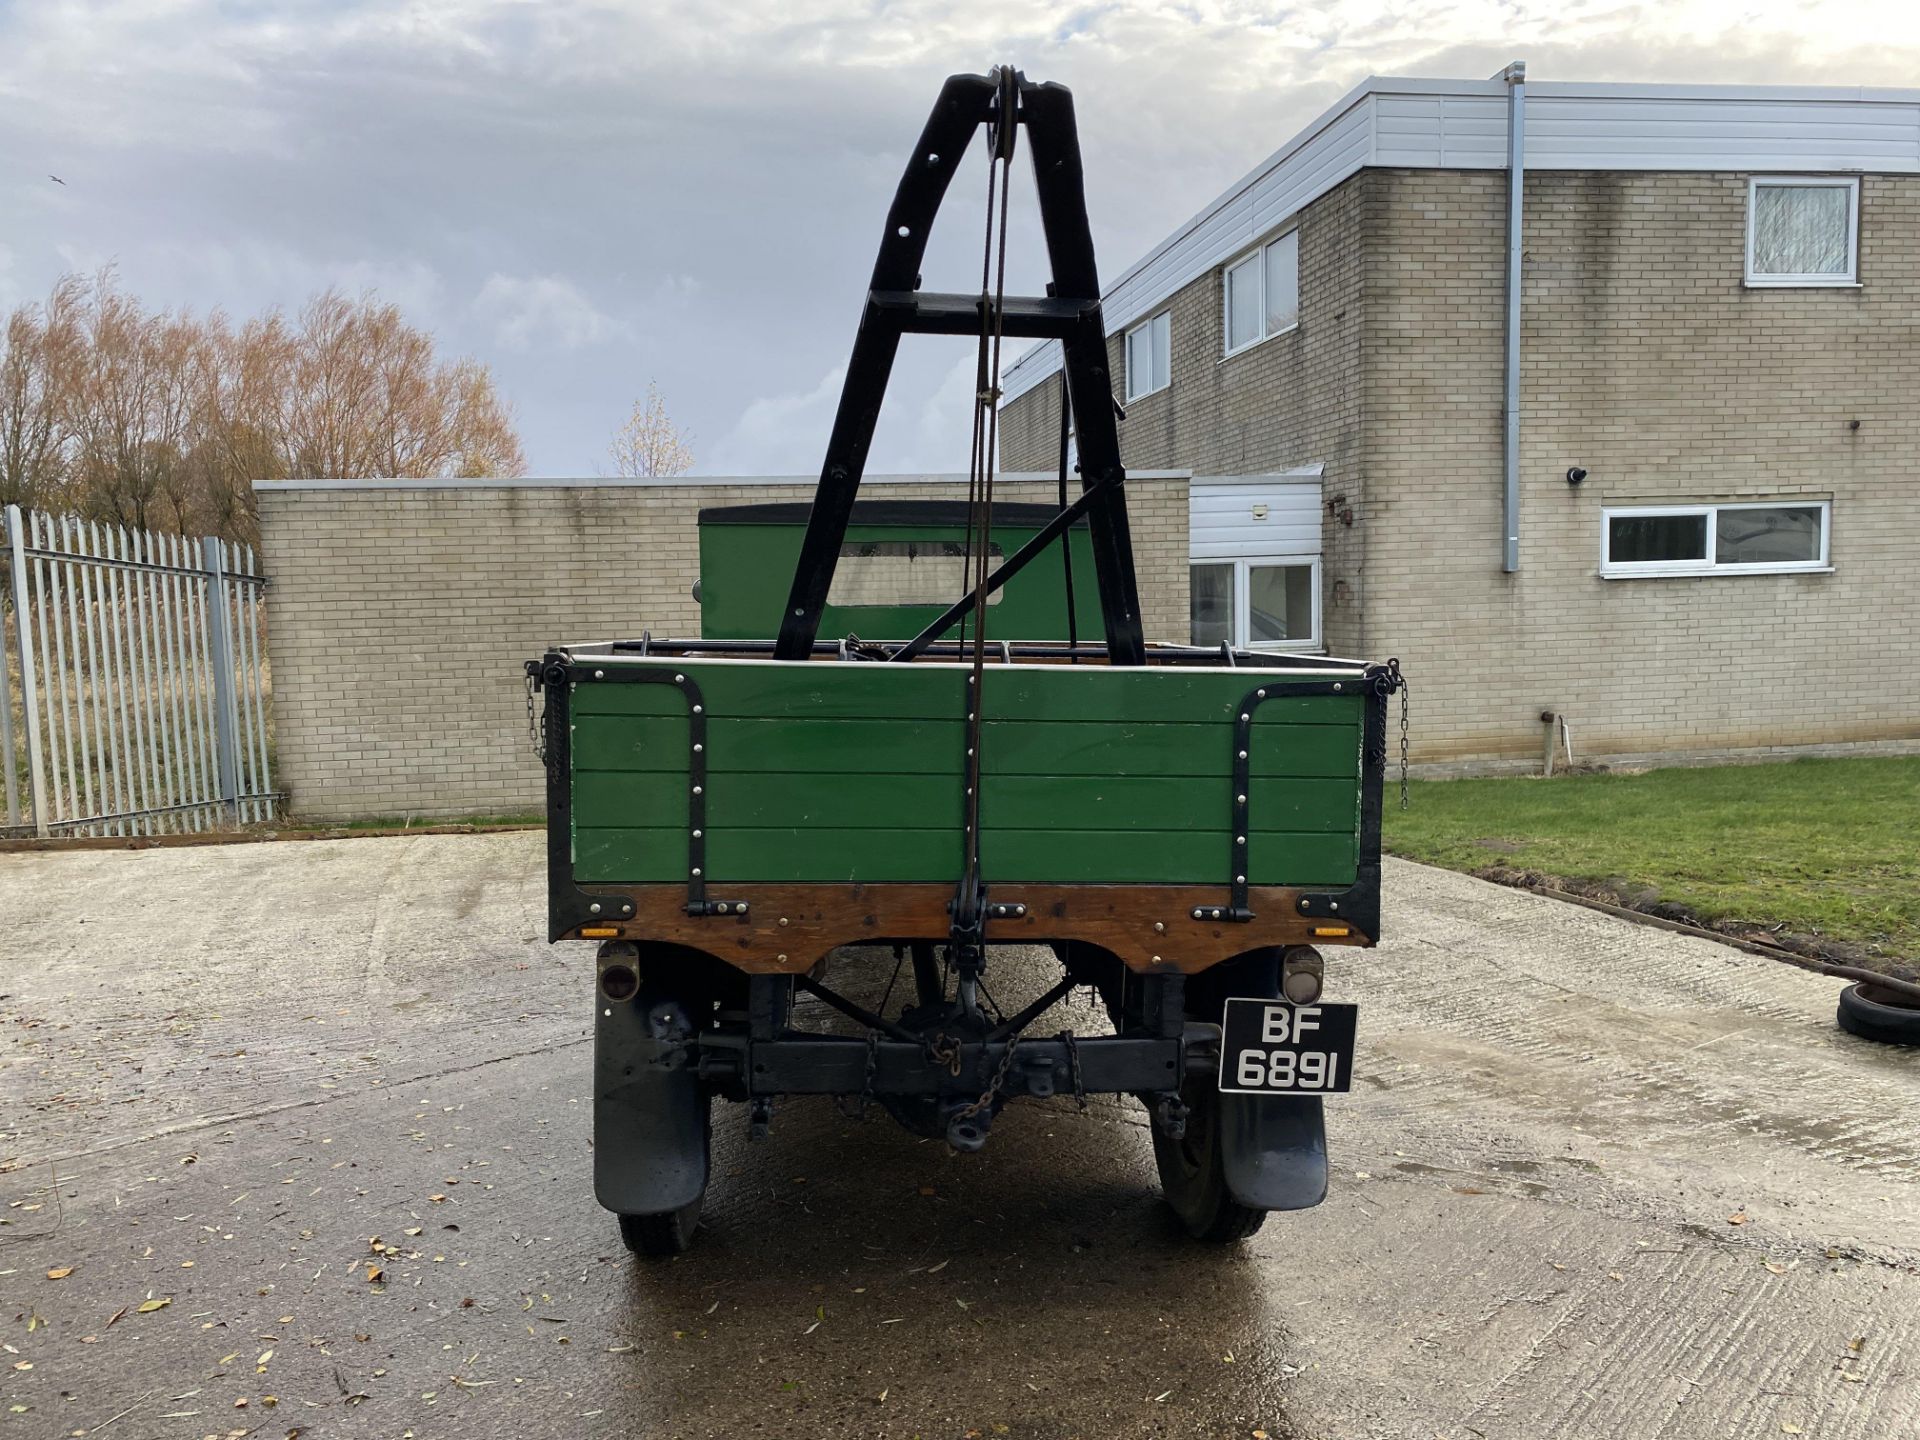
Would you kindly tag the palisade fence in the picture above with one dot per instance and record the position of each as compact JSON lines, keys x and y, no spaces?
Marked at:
{"x":134,"y":695}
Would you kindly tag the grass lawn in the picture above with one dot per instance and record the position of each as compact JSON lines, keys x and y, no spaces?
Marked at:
{"x":1829,"y":848}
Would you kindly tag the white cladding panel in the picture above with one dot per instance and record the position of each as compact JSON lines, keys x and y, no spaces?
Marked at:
{"x":1462,"y":125}
{"x":1256,"y":517}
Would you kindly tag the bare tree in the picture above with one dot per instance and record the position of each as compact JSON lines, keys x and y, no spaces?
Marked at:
{"x":36,"y":380}
{"x":146,"y":419}
{"x":650,"y":444}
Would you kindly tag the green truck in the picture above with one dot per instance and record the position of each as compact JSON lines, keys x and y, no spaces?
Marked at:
{"x":845,"y":759}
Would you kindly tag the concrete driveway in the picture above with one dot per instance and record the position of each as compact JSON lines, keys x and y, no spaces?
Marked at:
{"x":1598,"y":1180}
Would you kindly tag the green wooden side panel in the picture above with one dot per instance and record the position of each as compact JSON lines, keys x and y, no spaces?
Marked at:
{"x":853,"y":772}
{"x":745,"y":572}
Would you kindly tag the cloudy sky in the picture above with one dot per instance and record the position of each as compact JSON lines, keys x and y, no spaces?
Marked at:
{"x":589,"y":196}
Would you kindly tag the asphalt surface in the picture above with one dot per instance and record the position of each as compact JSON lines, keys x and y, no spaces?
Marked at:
{"x":1596,"y":1180}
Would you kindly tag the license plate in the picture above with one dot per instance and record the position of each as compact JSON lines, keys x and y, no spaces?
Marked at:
{"x":1268,"y":1047}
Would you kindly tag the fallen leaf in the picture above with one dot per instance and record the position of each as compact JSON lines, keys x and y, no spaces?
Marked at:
{"x":116,"y":1314}
{"x":265,"y":1356}
{"x":436,"y":1199}
{"x":147,"y":1307}
{"x":241,"y":1403}
{"x":881,"y":1398}
{"x":1739,"y":1217}
{"x":23,"y":1364}
{"x":375,"y":1274}
{"x":1846,"y":1375}
{"x":61,"y":1273}
{"x":1776,"y":1269}
{"x":936,"y":1269}
{"x":1789,"y":1428}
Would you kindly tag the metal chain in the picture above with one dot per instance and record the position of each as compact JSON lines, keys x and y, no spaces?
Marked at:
{"x":866,"y":1085}
{"x":536,"y":725}
{"x":993,"y":1085}
{"x":1406,"y":696}
{"x":1073,"y":1066}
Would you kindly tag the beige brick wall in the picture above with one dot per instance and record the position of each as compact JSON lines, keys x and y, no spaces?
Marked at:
{"x":1291,"y":400}
{"x":1648,"y":362}
{"x":401,"y":615}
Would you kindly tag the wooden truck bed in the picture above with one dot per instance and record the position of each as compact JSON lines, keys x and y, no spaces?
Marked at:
{"x":765,"y":811}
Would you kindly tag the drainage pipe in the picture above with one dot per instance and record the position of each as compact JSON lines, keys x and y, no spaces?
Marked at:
{"x":1516,"y":77}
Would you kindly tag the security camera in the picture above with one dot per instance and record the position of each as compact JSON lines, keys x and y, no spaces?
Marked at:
{"x":1576,"y":475}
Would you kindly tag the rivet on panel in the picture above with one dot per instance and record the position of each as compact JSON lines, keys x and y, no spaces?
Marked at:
{"x":599,"y":674}
{"x":783,"y":959}
{"x":783,"y":919}
{"x":679,"y":679}
{"x":594,"y":909}
{"x":1159,"y":927}
{"x":696,"y":869}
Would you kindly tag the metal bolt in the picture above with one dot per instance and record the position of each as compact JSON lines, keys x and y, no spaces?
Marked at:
{"x":1241,"y":799}
{"x":1243,"y":754}
{"x":1216,"y":914}
{"x":1336,"y":684}
{"x":696,"y":790}
{"x":1259,"y":694}
{"x":1245,"y":718}
{"x":783,"y":919}
{"x":721,"y":908}
{"x":1333,"y":905}
{"x":1239,"y":839}
{"x":783,"y":959}
{"x":696,"y":834}
{"x":699,"y":710}
{"x":599,"y":674}
{"x":594,"y":909}
{"x":1239,"y":879}
{"x":1159,"y":927}
{"x":698,"y":748}
{"x":679,"y":679}
{"x":696,"y":869}
{"x":1156,"y":959}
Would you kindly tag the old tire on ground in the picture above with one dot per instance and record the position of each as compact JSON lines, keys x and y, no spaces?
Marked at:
{"x":1873,"y":1013}
{"x":668,"y":1233}
{"x":1193,"y":1175}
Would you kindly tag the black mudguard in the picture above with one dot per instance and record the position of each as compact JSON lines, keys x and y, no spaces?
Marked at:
{"x":1273,"y":1150}
{"x":651,"y":1134}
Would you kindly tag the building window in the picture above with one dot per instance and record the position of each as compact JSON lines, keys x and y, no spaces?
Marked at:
{"x":1263,"y":292}
{"x":1255,"y":604}
{"x":1768,"y":538}
{"x":1802,"y":231}
{"x":1149,"y":356}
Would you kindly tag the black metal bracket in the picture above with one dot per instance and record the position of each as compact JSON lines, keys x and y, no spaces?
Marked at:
{"x":895,"y":306}
{"x":569,"y":905}
{"x":1359,"y":904}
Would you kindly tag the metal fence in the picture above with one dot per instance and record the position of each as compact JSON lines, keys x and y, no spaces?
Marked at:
{"x":134,"y":695}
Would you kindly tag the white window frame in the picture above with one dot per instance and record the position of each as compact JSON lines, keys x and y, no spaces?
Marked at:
{"x":1849,"y":183}
{"x":1242,"y":606}
{"x":1165,"y":319}
{"x":1258,"y":255}
{"x":1654,"y":569}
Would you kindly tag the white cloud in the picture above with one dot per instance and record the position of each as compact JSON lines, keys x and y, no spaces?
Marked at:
{"x":783,"y":434}
{"x":585,"y":195}
{"x":531,"y":310}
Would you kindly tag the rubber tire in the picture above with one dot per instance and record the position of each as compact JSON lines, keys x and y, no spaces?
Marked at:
{"x":1860,"y":1014}
{"x":1193,"y":1175}
{"x":659,"y":1236}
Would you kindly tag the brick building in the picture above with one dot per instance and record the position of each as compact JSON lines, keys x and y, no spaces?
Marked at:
{"x":1666,"y":492}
